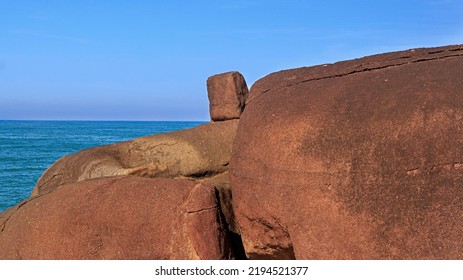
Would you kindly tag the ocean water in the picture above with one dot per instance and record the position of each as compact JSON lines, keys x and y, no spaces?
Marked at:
{"x":27,"y":148}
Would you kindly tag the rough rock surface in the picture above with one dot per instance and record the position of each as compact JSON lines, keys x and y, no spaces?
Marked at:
{"x":227,"y":95}
{"x":361,"y":159}
{"x":200,"y":153}
{"x":123,"y":217}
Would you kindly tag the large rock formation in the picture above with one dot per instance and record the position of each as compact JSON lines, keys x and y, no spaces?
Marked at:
{"x":123,"y":217}
{"x":361,"y":159}
{"x":200,"y":153}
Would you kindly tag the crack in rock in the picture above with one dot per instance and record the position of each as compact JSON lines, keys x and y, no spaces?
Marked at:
{"x":408,"y":57}
{"x":202,"y":210}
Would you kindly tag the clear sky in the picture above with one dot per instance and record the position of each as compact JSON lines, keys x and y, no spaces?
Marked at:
{"x":149,"y":60}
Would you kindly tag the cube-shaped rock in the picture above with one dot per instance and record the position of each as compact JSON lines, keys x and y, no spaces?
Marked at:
{"x":227,"y":94}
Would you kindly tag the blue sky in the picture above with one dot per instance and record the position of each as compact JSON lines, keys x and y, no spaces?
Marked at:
{"x":149,"y":60}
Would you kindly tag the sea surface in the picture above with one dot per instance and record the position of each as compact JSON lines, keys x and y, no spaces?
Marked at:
{"x":28,"y":148}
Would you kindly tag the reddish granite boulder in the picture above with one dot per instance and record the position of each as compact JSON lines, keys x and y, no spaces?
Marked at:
{"x":227,"y":95}
{"x":201,"y":153}
{"x":124,"y":217}
{"x":360,"y":159}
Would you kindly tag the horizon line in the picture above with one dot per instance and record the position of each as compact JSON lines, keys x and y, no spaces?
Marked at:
{"x":96,"y":120}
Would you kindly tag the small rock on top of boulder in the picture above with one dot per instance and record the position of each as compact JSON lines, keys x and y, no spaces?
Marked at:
{"x":227,"y":95}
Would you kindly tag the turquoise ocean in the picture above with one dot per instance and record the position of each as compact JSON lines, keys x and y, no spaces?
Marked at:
{"x":28,"y":148}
